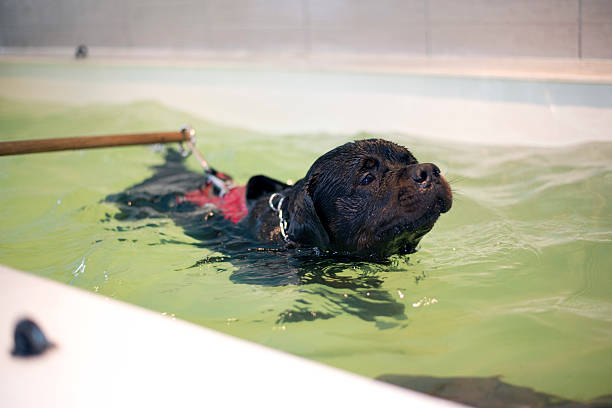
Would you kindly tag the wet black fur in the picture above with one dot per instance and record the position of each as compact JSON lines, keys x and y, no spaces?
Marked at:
{"x":332,"y":209}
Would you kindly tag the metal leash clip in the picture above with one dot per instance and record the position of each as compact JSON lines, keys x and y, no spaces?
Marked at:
{"x":221,"y":185}
{"x":279,"y":209}
{"x":189,"y":134}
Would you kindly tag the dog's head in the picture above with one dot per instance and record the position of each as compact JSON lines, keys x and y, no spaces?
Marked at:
{"x":370,"y":198}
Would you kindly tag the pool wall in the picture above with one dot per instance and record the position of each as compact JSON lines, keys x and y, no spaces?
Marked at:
{"x":545,"y":28}
{"x":108,"y":353}
{"x":543,"y":104}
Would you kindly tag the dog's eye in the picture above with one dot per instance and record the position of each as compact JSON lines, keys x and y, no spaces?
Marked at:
{"x":367,"y":179}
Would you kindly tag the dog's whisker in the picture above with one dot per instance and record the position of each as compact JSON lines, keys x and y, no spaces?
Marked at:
{"x":458,"y":193}
{"x":456,"y":179}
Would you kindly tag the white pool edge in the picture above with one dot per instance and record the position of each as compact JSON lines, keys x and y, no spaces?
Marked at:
{"x":586,"y":70}
{"x":110,"y":353}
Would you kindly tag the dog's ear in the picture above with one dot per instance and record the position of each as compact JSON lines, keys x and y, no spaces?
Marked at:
{"x":259,"y":186}
{"x":305,"y":227}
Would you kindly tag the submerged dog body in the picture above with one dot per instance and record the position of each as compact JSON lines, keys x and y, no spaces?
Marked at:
{"x":369,"y":198}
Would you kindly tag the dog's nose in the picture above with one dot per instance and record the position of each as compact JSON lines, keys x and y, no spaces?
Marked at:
{"x":424,"y":173}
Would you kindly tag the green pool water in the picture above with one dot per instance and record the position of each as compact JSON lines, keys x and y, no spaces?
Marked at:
{"x":516,"y":280}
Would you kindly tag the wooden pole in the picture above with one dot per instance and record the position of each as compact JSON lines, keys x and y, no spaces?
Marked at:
{"x":92,"y":142}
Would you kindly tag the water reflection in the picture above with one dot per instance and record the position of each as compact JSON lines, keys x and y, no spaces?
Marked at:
{"x":488,"y":392}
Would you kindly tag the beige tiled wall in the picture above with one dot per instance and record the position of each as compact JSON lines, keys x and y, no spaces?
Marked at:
{"x":597,"y":28}
{"x":539,"y":28}
{"x":387,"y":26}
{"x":546,"y":28}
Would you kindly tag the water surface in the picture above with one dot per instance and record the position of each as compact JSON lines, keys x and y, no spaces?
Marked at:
{"x":516,"y":280}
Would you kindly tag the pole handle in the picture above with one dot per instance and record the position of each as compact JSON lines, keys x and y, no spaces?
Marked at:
{"x":90,"y":142}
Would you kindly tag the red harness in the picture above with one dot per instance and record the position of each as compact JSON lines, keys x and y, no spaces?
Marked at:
{"x":232,"y":204}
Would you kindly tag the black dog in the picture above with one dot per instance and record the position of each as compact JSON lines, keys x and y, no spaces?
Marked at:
{"x":366,"y":199}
